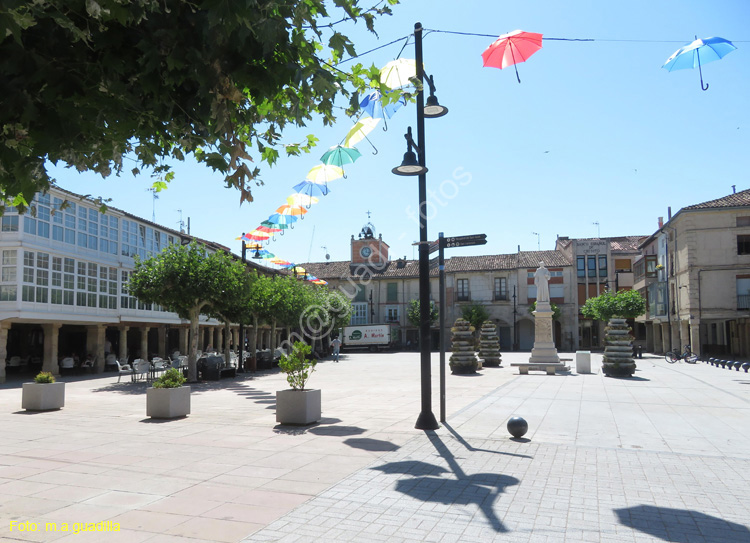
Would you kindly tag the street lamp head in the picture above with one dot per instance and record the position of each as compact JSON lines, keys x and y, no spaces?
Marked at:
{"x":410,"y":165}
{"x":257,"y":254}
{"x":433,"y":109}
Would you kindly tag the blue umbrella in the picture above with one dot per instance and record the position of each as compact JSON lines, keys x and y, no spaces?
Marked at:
{"x":697,"y":53}
{"x":310,"y":188}
{"x":373,"y":105}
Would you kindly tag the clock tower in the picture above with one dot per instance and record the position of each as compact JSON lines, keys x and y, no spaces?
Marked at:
{"x":369,"y":250}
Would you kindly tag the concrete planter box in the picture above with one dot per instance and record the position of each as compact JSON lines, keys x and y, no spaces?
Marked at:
{"x":298,"y":406}
{"x":168,"y":403}
{"x":43,"y":396}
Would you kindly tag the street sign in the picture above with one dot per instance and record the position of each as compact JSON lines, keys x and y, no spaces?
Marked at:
{"x":464,"y":241}
{"x":434,"y":246}
{"x":433,"y":263}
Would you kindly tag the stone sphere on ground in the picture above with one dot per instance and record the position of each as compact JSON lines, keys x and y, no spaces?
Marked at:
{"x":518,"y":427}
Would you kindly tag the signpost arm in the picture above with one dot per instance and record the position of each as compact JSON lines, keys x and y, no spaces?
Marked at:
{"x":441,"y":309}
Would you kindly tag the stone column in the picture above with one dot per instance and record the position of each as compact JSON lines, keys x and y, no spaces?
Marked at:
{"x":144,"y":342}
{"x":4,"y":328}
{"x":664,"y":337}
{"x":220,"y":340}
{"x":234,"y":334}
{"x":544,"y":351}
{"x":49,"y":360}
{"x":162,"y":347}
{"x":123,"y":356}
{"x":695,"y":337}
{"x":95,"y":337}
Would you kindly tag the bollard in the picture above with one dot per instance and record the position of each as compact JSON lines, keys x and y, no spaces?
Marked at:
{"x":517,"y":427}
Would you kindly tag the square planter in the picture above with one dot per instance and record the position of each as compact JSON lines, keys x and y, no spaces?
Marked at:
{"x":167,"y":403}
{"x":43,"y":396}
{"x":297,"y":406}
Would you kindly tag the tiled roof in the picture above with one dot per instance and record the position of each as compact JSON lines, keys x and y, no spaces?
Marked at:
{"x":739,"y":199}
{"x":410,"y":268}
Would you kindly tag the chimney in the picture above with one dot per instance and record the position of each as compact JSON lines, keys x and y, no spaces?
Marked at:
{"x":669,"y":213}
{"x":661,"y":222}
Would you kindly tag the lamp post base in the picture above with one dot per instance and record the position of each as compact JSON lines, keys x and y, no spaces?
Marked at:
{"x":426,"y":421}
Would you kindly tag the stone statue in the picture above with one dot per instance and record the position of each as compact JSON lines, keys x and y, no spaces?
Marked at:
{"x":541,"y":280}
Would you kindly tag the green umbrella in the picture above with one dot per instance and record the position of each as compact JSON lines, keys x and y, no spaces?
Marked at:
{"x":340,"y":155}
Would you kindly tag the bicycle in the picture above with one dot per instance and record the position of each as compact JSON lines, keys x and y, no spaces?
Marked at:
{"x":687,"y":356}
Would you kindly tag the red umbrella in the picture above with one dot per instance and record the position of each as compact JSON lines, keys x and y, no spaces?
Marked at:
{"x":512,"y":48}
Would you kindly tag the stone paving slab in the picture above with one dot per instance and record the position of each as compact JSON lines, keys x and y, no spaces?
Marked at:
{"x":661,"y":457}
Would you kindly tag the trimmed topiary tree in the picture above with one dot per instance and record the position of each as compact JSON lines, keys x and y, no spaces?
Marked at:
{"x":616,"y":308}
{"x":489,"y":345}
{"x":463,"y":359}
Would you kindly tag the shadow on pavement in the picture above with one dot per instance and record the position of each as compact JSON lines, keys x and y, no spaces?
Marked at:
{"x":369,"y":444}
{"x":432,"y":483}
{"x":466,"y":444}
{"x":681,"y":525}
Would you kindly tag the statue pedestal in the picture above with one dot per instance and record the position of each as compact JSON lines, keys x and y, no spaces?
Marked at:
{"x":544,"y":351}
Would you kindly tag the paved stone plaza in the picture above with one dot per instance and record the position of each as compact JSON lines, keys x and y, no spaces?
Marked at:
{"x":664,"y":456}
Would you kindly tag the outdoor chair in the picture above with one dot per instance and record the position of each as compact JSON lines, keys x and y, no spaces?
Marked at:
{"x":67,"y":365}
{"x":141,"y":368}
{"x":123,"y":369}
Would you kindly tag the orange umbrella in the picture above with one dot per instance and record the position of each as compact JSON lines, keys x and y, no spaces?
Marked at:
{"x":287,"y":209}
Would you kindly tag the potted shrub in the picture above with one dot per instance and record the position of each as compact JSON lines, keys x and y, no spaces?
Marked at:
{"x":168,"y":398}
{"x":43,"y":394}
{"x":298,"y":405}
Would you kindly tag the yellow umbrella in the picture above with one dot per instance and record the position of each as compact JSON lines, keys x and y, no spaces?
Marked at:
{"x":397,"y":72}
{"x":322,"y":173}
{"x":299,"y":199}
{"x":359,"y":131}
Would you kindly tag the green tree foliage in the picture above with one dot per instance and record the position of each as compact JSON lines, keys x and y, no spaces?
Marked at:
{"x":475,"y":313}
{"x":187,"y":280}
{"x":413,"y":313}
{"x":555,"y":310}
{"x":91,"y":82}
{"x":626,"y":304}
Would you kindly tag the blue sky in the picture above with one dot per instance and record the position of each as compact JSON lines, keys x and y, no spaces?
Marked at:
{"x":596,"y":132}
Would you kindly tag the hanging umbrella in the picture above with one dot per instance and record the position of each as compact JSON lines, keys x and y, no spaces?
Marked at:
{"x":310,"y":189}
{"x":257,"y":236}
{"x":512,"y":48}
{"x":339,"y":155}
{"x":697,"y":53}
{"x":268,"y":229}
{"x":291,"y":210}
{"x":322,"y":173}
{"x":359,"y":132}
{"x":298,"y":199}
{"x":373,"y":104}
{"x":279,"y":261}
{"x":287,"y":265}
{"x":287,"y":220}
{"x":397,"y":72}
{"x":272,"y":225}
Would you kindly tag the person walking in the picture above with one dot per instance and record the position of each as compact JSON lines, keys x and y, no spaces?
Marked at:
{"x":336,"y":344}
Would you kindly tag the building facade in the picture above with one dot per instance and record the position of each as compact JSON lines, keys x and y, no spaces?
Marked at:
{"x":381,"y":290}
{"x":65,"y":268}
{"x":696,"y":271}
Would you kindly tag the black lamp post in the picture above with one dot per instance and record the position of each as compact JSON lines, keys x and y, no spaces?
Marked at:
{"x":240,"y":367}
{"x":410,"y":166}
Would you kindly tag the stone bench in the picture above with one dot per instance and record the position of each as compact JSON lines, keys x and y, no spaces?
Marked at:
{"x":551,"y":368}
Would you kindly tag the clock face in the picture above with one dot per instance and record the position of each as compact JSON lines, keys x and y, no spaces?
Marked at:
{"x":365,"y":252}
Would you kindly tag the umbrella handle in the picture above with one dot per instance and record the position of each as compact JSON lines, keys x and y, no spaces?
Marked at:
{"x":700,"y":71}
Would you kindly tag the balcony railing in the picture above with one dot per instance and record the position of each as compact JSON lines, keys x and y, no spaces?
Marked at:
{"x":743,"y":301}
{"x":500,"y":297}
{"x":463,"y":296}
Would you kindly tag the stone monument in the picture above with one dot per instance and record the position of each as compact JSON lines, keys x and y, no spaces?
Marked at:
{"x":544,"y":354}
